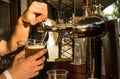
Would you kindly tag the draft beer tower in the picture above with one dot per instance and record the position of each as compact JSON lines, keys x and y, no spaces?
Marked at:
{"x":102,"y":37}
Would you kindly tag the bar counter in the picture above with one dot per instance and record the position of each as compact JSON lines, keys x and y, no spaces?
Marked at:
{"x":75,"y":71}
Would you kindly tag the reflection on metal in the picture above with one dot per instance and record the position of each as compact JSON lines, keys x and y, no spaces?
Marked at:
{"x":91,"y":26}
{"x":111,"y":50}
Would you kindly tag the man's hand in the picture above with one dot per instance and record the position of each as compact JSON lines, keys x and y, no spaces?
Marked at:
{"x":26,"y":68}
{"x":37,"y":12}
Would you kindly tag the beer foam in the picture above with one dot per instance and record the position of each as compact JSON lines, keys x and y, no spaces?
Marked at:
{"x":35,"y":47}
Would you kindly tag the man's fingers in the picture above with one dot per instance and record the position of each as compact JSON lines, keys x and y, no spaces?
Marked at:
{"x":20,"y":55}
{"x":39,"y":54}
{"x":40,"y":18}
{"x":40,"y":10}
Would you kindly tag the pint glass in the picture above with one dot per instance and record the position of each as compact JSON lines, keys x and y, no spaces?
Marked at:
{"x":33,"y":46}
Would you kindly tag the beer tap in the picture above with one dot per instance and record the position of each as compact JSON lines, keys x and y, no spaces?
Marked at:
{"x":86,"y":9}
{"x":92,"y":26}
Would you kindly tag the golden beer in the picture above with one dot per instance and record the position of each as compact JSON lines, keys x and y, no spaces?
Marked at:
{"x":33,"y":46}
{"x":30,"y":50}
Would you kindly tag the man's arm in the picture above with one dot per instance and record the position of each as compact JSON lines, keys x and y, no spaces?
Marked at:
{"x":22,"y":27}
{"x":20,"y":35}
{"x":18,"y":38}
{"x":29,"y":67}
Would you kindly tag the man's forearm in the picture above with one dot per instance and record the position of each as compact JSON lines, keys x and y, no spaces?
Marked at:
{"x":20,"y":35}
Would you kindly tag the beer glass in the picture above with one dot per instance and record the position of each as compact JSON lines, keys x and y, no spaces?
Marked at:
{"x":57,"y":74}
{"x":80,"y":47}
{"x":33,"y":46}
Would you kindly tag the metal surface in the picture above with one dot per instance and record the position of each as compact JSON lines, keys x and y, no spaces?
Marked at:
{"x":111,"y":50}
{"x":67,"y":5}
